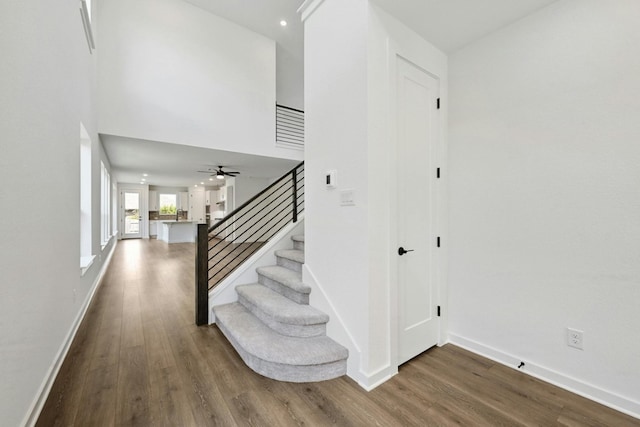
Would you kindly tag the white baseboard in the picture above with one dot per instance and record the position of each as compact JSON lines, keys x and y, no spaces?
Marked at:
{"x":371,"y":381}
{"x":45,"y":388}
{"x":604,"y":397}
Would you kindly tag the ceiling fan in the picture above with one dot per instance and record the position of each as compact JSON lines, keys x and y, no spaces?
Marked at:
{"x":219,"y":173}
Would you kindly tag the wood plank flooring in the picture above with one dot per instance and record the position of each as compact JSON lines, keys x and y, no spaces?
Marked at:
{"x":227,"y":257}
{"x":139,"y":360}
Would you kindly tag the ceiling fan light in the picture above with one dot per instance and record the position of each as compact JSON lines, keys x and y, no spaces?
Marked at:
{"x":219,"y":175}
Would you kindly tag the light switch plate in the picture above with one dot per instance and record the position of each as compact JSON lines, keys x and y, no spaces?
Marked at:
{"x":347,"y":198}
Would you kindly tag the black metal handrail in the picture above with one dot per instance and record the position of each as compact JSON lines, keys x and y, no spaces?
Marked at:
{"x":226,"y":245}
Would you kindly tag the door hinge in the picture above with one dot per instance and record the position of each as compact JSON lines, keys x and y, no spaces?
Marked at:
{"x":438,"y":243}
{"x":438,"y":173}
{"x":438,"y":311}
{"x":438,"y":103}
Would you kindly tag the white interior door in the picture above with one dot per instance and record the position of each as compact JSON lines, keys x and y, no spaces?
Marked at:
{"x":131,"y":214}
{"x":417,"y":93}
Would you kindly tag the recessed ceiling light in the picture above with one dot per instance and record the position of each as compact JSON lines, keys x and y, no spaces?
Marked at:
{"x":195,"y":185}
{"x":143,"y":179}
{"x":283,"y":23}
{"x":210,"y":179}
{"x":141,"y":182}
{"x":145,"y":174}
{"x":202,"y":183}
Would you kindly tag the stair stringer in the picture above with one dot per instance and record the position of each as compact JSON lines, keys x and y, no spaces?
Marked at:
{"x":339,"y":332}
{"x":225,"y":292}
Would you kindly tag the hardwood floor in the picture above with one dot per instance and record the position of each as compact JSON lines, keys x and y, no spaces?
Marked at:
{"x":138,"y":359}
{"x":227,"y":257}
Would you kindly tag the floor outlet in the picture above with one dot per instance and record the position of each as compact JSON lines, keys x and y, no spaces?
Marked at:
{"x":574,"y":338}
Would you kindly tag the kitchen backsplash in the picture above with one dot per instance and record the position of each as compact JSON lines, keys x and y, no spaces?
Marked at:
{"x":155,"y":215}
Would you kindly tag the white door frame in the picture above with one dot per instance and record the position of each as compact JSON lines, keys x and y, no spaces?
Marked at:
{"x":438,"y":211}
{"x":144,"y":208}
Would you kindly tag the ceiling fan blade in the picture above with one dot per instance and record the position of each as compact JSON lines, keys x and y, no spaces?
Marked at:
{"x":211,"y":172}
{"x":231,"y":173}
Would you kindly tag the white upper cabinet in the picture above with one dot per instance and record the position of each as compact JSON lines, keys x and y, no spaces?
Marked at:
{"x":153,"y":201}
{"x":196,"y":205}
{"x":184,"y":201}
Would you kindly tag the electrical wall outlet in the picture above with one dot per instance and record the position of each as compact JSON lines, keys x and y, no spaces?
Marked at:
{"x":574,"y":338}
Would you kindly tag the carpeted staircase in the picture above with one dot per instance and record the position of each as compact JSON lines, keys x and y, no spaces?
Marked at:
{"x":274,"y":329}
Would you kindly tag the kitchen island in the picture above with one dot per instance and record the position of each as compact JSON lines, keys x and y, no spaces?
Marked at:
{"x":172,"y":231}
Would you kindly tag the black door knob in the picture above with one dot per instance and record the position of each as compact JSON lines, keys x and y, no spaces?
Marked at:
{"x":402,"y":251}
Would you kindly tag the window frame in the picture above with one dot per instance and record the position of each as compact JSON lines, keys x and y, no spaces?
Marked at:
{"x":86,"y":241}
{"x":105,"y":205}
{"x":175,"y":199}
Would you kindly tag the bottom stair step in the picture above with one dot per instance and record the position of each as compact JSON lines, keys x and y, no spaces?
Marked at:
{"x":277,"y":356}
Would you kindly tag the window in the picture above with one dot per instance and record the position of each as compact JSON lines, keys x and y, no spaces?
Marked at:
{"x":168,"y":204}
{"x":105,"y":205}
{"x":86,"y":256}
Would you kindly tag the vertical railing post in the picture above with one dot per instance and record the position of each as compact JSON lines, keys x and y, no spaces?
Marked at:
{"x":294,"y":195}
{"x":202,"y":275}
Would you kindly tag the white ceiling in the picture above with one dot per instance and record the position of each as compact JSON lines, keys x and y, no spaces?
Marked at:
{"x":447,"y":24}
{"x":176,"y":165}
{"x":262,"y":17}
{"x":452,"y":24}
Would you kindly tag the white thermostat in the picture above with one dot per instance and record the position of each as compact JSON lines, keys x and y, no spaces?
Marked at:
{"x":330,"y":179}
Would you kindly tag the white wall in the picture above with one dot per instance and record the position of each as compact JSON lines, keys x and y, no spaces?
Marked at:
{"x":349,"y":256}
{"x":545,"y":234}
{"x":46,"y":90}
{"x":246,"y":188}
{"x":172,"y":72}
{"x":336,"y":138}
{"x":168,"y":190}
{"x":289,"y":78}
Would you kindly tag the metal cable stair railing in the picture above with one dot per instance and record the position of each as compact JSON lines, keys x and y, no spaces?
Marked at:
{"x":226,"y":245}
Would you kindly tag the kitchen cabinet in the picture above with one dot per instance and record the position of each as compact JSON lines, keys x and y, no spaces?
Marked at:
{"x":153,"y":228}
{"x":221,"y":194}
{"x":153,"y":201}
{"x":221,"y":203}
{"x":184,"y":201}
{"x":196,"y":205}
{"x":207,"y":198}
{"x":177,"y":231}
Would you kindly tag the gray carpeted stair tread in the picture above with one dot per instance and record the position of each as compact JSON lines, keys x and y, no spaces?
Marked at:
{"x":291,"y":254}
{"x":258,"y":340}
{"x":279,"y":307}
{"x":288,"y":278}
{"x":298,"y":242}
